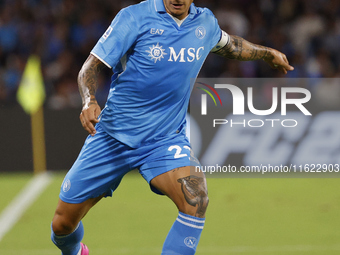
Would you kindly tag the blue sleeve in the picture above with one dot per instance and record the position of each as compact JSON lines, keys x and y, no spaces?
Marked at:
{"x":216,"y":32}
{"x":118,"y":38}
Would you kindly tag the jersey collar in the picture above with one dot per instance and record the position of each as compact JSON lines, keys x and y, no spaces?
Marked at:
{"x":160,"y":8}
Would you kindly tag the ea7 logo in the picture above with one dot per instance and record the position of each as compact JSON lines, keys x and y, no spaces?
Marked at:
{"x":185,"y":55}
{"x":238,"y":100}
{"x":155,"y":31}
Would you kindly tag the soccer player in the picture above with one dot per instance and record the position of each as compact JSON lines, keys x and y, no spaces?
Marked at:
{"x":153,"y":48}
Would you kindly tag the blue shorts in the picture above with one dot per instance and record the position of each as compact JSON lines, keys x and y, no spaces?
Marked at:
{"x":103,"y":161}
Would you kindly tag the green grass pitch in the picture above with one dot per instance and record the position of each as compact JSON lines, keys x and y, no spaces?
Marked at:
{"x":245,"y":217}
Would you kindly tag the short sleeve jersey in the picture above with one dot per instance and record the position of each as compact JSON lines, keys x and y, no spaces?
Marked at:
{"x":154,"y":61}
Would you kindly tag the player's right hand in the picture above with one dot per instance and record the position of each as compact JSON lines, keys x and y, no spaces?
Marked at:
{"x":89,"y":116}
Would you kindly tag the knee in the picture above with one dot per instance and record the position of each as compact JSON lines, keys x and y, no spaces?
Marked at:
{"x":196,"y":205}
{"x":63,"y":226}
{"x":195,"y":193}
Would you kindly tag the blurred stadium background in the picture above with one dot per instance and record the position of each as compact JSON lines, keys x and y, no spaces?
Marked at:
{"x":246,"y":216}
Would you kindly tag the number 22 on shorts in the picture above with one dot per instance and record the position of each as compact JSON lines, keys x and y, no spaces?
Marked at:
{"x":178,"y":153}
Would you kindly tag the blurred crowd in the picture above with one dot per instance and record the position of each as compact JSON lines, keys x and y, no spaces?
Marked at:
{"x":63,"y":33}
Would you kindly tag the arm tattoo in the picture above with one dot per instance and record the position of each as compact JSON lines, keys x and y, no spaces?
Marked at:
{"x":195,"y":193}
{"x":240,"y":49}
{"x":87,"y":80}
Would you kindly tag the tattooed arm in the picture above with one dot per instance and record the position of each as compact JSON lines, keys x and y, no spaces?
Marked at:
{"x":87,"y":83}
{"x":240,"y":49}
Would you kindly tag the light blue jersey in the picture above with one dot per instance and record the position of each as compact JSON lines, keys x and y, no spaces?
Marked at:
{"x":153,"y":59}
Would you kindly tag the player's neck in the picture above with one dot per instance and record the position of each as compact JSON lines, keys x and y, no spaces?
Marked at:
{"x":178,"y":21}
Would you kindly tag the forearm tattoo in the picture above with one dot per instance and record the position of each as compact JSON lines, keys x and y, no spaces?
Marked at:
{"x":195,"y":193}
{"x":240,"y":49}
{"x":87,"y":80}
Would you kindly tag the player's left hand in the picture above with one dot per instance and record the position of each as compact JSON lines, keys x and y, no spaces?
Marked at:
{"x":278,"y":60}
